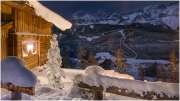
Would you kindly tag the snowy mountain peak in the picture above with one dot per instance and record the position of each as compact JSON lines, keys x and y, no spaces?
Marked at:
{"x":163,"y":16}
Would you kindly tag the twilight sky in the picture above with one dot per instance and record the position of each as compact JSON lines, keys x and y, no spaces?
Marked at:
{"x":67,"y":8}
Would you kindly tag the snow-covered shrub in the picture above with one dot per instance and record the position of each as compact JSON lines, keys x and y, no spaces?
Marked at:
{"x":54,"y":71}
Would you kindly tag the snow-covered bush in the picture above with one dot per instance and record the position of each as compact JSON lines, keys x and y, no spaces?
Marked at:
{"x":54,"y":71}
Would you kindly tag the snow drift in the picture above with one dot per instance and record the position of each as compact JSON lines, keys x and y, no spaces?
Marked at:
{"x":93,"y":76}
{"x":13,"y":71}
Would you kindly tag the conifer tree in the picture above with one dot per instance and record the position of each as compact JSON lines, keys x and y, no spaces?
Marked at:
{"x":120,"y":61}
{"x":141,"y":73}
{"x":174,"y":71}
{"x":65,"y":59}
{"x":161,"y":73}
{"x":81,"y":56}
{"x":92,"y":60}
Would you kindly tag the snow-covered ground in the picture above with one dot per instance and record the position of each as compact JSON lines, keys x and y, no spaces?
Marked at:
{"x":111,"y":22}
{"x":107,"y":55}
{"x":89,"y":38}
{"x":94,"y":77}
{"x":44,"y":92}
{"x":171,"y":21}
{"x":14,"y":71}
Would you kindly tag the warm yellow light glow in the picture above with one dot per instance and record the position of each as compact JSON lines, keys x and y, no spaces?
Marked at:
{"x":30,"y":47}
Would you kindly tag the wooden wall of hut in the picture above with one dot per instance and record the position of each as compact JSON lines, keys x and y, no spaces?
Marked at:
{"x":6,"y":17}
{"x":4,"y":44}
{"x":4,"y":39}
{"x":25,"y":21}
{"x":44,"y":46}
{"x":31,"y":60}
{"x":29,"y":22}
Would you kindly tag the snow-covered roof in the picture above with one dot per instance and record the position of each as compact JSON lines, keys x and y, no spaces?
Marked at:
{"x":13,"y":71}
{"x":49,"y":15}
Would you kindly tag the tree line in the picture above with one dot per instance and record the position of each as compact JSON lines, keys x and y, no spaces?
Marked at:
{"x":161,"y":73}
{"x":120,"y":65}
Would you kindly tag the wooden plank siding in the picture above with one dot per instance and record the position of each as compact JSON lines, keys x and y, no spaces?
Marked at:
{"x":4,"y":39}
{"x":36,"y":59}
{"x":31,"y":23}
{"x":32,"y":59}
{"x":28,"y":22}
{"x":4,"y":44}
{"x":44,"y":46}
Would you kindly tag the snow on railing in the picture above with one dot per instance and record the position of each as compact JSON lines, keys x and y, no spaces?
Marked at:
{"x":123,"y":86}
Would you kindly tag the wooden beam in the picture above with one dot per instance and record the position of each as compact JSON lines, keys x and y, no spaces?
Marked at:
{"x":20,"y":21}
{"x":6,"y":26}
{"x":6,"y":9}
{"x":12,"y":87}
{"x":18,"y":5}
{"x":28,"y":20}
{"x":16,"y":19}
{"x":124,"y":91}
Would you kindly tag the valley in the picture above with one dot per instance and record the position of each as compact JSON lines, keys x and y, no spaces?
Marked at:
{"x":145,"y":43}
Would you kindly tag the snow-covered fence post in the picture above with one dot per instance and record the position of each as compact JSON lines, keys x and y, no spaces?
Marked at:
{"x":15,"y":77}
{"x":54,"y":71}
{"x":97,"y":95}
{"x":97,"y":91}
{"x":16,"y":95}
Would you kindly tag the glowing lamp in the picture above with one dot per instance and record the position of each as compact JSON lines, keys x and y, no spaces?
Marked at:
{"x":30,"y":47}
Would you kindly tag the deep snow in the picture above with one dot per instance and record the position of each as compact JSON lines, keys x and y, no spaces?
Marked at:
{"x":107,"y":55}
{"x":13,"y":71}
{"x":93,"y":75}
{"x":69,"y":92}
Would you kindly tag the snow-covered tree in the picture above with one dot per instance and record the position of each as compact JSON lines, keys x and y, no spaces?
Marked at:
{"x":161,"y":73}
{"x":54,"y":71}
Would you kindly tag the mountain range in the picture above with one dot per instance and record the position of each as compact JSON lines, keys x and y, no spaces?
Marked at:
{"x":162,"y":17}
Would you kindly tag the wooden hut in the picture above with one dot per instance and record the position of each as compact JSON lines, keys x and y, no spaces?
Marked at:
{"x":24,"y":34}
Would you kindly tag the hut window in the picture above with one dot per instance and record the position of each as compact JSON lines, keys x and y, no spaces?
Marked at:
{"x":29,"y":48}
